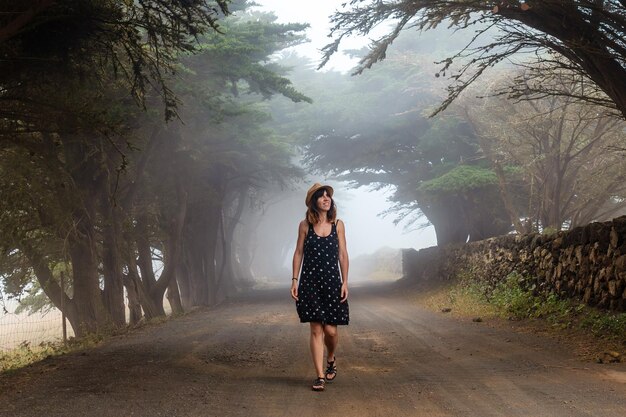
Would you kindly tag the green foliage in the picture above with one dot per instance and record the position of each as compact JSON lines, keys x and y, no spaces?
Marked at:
{"x":511,"y":298}
{"x":372,"y":131}
{"x":520,"y":27}
{"x":135,"y":42}
{"x":26,"y":354}
{"x":76,"y":146}
{"x":461,"y":179}
{"x":238,"y":57}
{"x":600,"y":323}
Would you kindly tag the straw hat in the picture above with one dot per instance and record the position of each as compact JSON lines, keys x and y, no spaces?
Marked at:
{"x":314,"y":188}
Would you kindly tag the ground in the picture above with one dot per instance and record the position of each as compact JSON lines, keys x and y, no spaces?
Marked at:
{"x":250,"y":357}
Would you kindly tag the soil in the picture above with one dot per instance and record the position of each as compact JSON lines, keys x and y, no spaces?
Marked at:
{"x":250,"y":357}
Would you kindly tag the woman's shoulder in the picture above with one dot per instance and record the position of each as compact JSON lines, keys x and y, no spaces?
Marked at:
{"x":304,"y":225}
{"x":339,"y":224}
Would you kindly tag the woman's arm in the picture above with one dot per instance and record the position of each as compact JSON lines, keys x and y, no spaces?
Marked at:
{"x":297,"y":258}
{"x":344,"y":262}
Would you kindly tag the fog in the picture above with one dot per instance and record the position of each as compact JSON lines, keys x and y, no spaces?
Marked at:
{"x":367,"y":231}
{"x":186,"y":174}
{"x":362,"y":209}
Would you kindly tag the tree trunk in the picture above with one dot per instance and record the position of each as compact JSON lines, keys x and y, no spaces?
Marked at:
{"x":183,"y":277}
{"x":210,"y":254}
{"x":142,"y":279}
{"x":134,"y":305}
{"x":173,"y":296}
{"x":150,"y":308}
{"x":51,"y":288}
{"x":112,"y":263}
{"x":227,"y":282}
{"x":448,"y":220}
{"x":504,"y":192}
{"x":144,"y":251}
{"x":172,"y":251}
{"x":201,"y":234}
{"x":92,"y":313}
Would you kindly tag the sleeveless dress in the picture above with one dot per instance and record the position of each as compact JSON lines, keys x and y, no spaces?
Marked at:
{"x":319,"y":292}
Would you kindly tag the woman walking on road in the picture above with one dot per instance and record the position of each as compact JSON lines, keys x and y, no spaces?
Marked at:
{"x":322,"y":291}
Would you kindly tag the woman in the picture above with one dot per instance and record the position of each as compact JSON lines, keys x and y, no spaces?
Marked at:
{"x":322,"y":294}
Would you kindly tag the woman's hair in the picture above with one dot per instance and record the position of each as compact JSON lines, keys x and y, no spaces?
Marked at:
{"x":313,"y":216}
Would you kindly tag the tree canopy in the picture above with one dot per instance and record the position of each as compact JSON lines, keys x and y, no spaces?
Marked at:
{"x":139,"y":42}
{"x":371,"y":131}
{"x":586,"y":37}
{"x":102,"y":190}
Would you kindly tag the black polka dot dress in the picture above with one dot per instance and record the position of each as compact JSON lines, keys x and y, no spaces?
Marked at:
{"x":319,"y":293}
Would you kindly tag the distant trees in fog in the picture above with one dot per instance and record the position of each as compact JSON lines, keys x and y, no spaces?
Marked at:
{"x":486,"y":166}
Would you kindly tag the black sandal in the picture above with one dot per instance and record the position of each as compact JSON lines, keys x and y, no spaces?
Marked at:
{"x":331,"y":370}
{"x":318,"y":384}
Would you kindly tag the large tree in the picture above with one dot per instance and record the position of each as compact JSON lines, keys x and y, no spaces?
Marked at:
{"x":584,"y":36}
{"x":569,"y":154}
{"x":100,"y":189}
{"x":372,"y":131}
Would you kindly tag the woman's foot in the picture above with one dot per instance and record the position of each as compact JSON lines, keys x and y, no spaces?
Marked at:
{"x":331,"y":370}
{"x":318,"y":384}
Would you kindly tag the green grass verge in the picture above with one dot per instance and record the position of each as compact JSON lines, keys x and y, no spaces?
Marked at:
{"x":26,"y":354}
{"x":512,"y":299}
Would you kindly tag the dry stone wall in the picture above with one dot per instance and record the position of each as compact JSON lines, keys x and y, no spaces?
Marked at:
{"x":586,"y":263}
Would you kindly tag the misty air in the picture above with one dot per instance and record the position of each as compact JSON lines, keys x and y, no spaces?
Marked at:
{"x":290,"y":208}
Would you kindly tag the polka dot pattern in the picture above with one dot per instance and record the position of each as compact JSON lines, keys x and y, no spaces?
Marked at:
{"x":319,"y":292}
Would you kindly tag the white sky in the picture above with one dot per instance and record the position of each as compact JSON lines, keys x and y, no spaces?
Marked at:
{"x":358,"y":208}
{"x":316,"y":14}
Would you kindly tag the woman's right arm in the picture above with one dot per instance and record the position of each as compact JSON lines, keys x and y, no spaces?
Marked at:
{"x":297,"y":258}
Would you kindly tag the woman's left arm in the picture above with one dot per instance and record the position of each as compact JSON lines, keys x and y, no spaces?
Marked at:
{"x":344,"y":262}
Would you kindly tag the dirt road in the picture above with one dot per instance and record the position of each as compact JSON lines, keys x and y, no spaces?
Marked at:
{"x":250,"y":358}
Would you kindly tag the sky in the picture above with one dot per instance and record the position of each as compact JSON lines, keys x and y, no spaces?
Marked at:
{"x":366,"y":231}
{"x":315,"y":13}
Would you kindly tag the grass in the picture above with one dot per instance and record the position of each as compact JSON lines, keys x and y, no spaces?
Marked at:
{"x":512,"y":299}
{"x":26,"y":354}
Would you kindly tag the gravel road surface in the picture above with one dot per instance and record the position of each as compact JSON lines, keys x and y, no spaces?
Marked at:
{"x":250,"y":357}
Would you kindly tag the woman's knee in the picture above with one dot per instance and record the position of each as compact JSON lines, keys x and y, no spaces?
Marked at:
{"x":330,"y":330}
{"x":317,"y":329}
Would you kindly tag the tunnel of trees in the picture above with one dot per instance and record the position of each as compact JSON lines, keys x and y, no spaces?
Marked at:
{"x":141,"y":141}
{"x":132,"y":140}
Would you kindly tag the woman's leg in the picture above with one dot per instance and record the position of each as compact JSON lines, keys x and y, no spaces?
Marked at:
{"x":317,"y":348}
{"x":331,"y":337}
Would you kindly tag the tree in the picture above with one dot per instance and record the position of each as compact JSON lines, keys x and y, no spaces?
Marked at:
{"x":137,"y":41}
{"x":569,"y":153}
{"x":96,"y":184}
{"x":583,"y":36}
{"x":371,"y":131}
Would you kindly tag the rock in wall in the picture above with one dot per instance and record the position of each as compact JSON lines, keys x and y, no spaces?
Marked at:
{"x":586,"y":263}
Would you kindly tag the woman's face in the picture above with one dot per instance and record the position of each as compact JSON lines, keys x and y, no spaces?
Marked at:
{"x":324,"y":202}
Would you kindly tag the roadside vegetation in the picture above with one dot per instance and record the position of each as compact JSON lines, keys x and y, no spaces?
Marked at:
{"x":515,"y":299}
{"x":27,"y":354}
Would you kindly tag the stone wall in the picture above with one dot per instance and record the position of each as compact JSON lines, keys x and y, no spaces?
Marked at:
{"x":586,"y":263}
